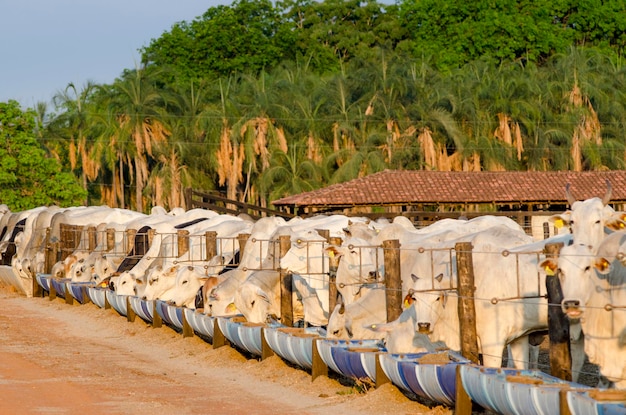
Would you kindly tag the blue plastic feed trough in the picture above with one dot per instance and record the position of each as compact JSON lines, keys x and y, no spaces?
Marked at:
{"x":429,"y":375}
{"x":513,"y":391}
{"x":601,"y":402}
{"x":295,"y":345}
{"x":200,"y":322}
{"x":351,"y":358}
{"x":142,"y":308}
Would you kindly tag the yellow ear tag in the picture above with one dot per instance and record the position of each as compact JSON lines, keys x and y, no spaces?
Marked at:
{"x":559,"y":223}
{"x":549,"y":270}
{"x":331,"y":254}
{"x":406,"y":304}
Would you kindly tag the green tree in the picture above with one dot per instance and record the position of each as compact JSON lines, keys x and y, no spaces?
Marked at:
{"x":332,"y":32}
{"x":138,"y":105}
{"x":72,"y":126}
{"x":457,"y":32}
{"x":27,"y":177}
{"x":245,"y":37}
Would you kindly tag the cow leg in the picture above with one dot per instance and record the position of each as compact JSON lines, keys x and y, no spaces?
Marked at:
{"x":519,"y":353}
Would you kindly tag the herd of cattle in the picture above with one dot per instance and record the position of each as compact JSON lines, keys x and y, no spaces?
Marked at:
{"x":238,"y":272}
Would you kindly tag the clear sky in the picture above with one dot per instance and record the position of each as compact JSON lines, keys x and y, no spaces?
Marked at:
{"x":46,"y":44}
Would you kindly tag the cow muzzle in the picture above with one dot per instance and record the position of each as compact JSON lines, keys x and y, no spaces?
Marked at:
{"x":571,"y":308}
{"x":423,"y":328}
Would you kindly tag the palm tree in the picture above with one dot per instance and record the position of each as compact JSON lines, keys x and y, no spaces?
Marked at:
{"x":75,"y":122}
{"x":289,"y":173}
{"x":139,"y":108}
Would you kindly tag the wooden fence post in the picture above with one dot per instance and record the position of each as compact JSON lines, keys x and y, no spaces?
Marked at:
{"x":92,"y":235}
{"x":467,"y":321}
{"x":333,"y":293}
{"x":393,"y":280}
{"x":467,"y":309}
{"x":130,"y":313}
{"x":130,"y":240}
{"x":210,"y":238}
{"x":266,"y":350}
{"x":318,"y":367}
{"x":219,"y":339}
{"x":48,"y":258}
{"x":187,"y":329}
{"x":558,"y":324}
{"x":110,"y":239}
{"x":242,"y":238}
{"x":286,"y":285}
{"x":183,"y":241}
{"x":157,"y":321}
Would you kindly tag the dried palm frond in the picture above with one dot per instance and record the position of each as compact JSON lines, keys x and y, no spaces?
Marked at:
{"x":72,"y":154}
{"x":282,"y":140}
{"x":576,"y":151}
{"x":224,"y":156}
{"x":426,"y":143}
{"x":313,"y":150}
{"x":472,"y":163}
{"x":519,"y":144}
{"x":503,"y":132}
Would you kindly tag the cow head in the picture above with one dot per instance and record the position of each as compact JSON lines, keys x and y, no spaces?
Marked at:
{"x":575,"y":267}
{"x":359,"y":263}
{"x":588,"y":219}
{"x":158,"y":281}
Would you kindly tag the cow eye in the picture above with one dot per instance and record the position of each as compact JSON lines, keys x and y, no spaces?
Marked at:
{"x":252,"y":303}
{"x":587,"y":268}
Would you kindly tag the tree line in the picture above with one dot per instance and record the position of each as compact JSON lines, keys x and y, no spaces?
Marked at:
{"x":260,"y":100}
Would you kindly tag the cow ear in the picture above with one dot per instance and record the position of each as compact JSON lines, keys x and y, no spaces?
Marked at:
{"x":231,"y":308}
{"x":332,"y":251}
{"x":414,"y":277}
{"x":602,"y":265}
{"x":561,"y":220}
{"x":548,"y":266}
{"x":616,"y":221}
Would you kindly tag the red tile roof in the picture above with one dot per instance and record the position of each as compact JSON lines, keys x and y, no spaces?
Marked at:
{"x":413,"y":187}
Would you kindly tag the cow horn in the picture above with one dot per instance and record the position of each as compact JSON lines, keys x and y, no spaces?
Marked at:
{"x":607,"y":196}
{"x":568,"y":195}
{"x":342,"y":309}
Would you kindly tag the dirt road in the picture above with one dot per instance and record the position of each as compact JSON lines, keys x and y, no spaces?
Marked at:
{"x":57,"y":358}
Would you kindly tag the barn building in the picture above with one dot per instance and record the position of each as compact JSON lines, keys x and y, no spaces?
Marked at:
{"x":426,"y":196}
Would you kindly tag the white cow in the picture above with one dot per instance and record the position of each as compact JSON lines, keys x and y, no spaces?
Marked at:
{"x":362,"y":262}
{"x":227,"y":228}
{"x":400,"y":335}
{"x":498,"y":322}
{"x":254,"y":257}
{"x":594,"y":291}
{"x":589,"y":221}
{"x":355,"y":320}
{"x":259,"y":296}
{"x":189,"y":280}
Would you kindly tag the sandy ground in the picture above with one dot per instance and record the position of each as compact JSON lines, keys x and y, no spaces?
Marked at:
{"x":57,"y":358}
